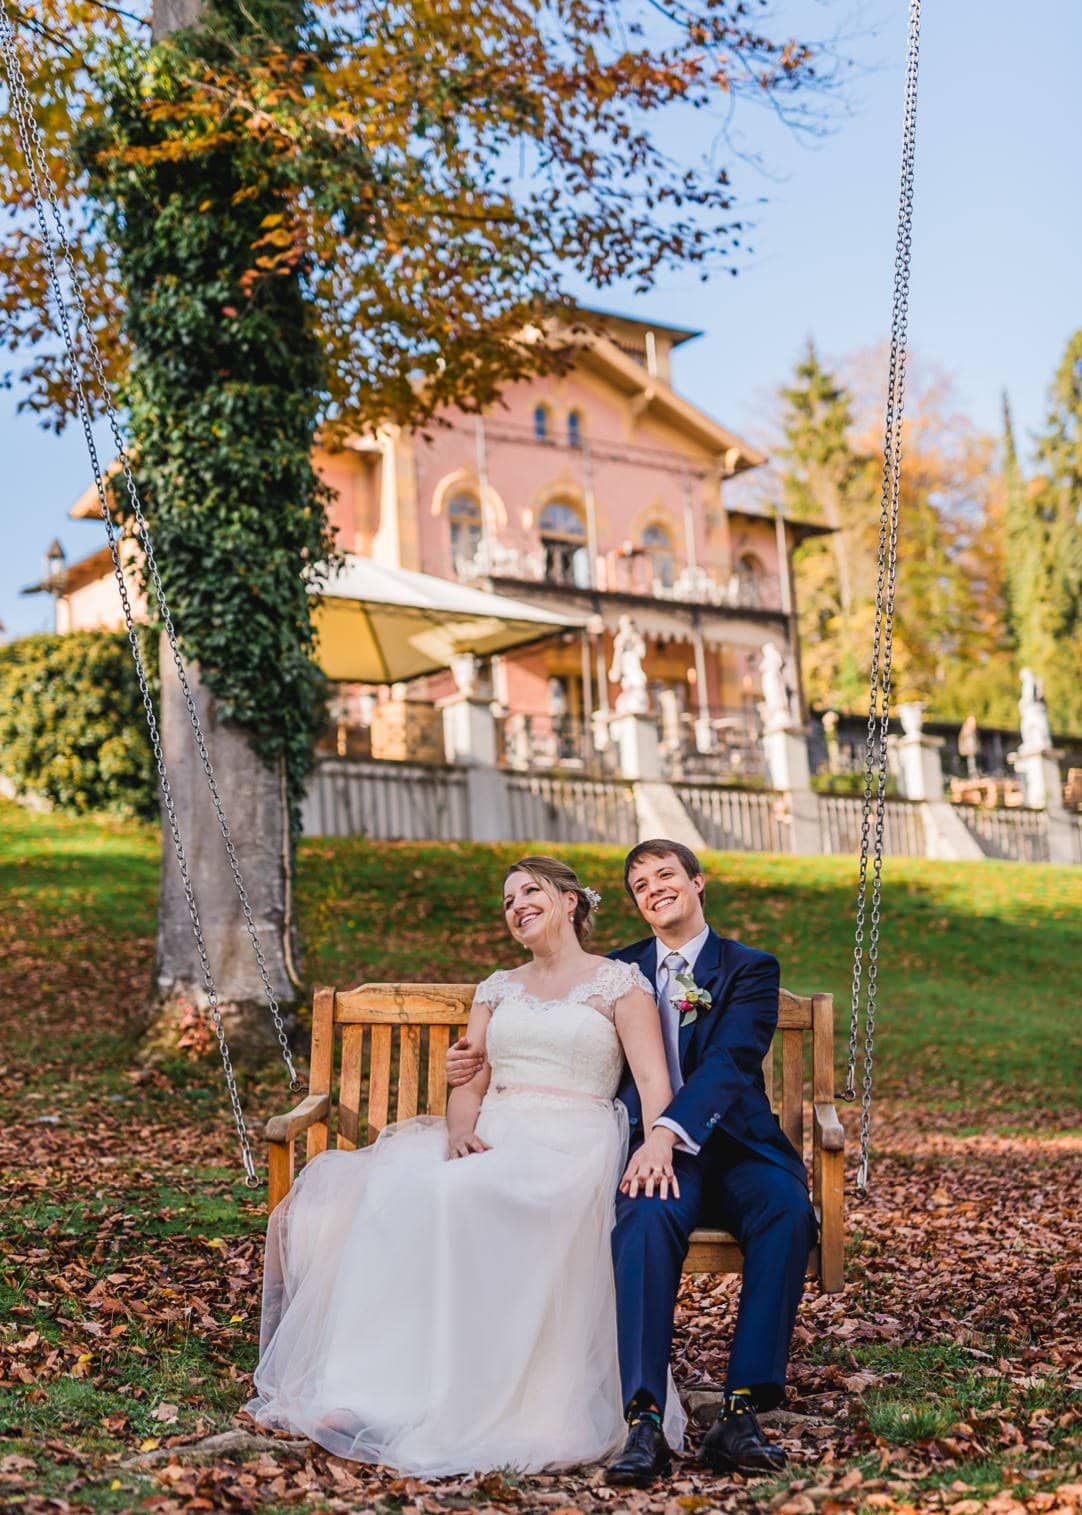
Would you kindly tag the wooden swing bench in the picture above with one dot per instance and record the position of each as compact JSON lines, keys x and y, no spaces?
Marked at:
{"x":394,"y":1041}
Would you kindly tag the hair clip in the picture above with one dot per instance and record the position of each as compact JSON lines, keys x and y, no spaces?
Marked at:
{"x":593,"y":898}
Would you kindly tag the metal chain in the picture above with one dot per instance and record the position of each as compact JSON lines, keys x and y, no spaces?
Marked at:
{"x":875,"y":749}
{"x":32,"y":146}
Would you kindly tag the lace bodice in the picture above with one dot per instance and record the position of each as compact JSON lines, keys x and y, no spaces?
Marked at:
{"x":569,"y":1043}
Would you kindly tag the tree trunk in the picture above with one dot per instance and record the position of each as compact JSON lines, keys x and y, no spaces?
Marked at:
{"x":254,"y":801}
{"x":170,"y":15}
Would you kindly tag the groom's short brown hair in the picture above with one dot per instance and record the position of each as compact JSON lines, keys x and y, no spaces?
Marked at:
{"x":659,"y":846}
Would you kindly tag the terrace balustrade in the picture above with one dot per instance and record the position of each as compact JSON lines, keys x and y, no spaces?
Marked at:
{"x":623,"y":573}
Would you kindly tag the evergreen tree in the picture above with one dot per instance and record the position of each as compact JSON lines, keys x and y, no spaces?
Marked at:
{"x":1046,"y":580}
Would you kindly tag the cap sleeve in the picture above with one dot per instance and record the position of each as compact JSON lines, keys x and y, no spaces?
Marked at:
{"x":619,"y":978}
{"x":490,"y":990}
{"x":640,"y":981}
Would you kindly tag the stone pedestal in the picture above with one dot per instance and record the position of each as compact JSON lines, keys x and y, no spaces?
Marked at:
{"x":1043,"y":790}
{"x":786,"y":751}
{"x":804,"y":834}
{"x":704,"y":735}
{"x":636,"y":741}
{"x":920,"y":768}
{"x":489,"y":804}
{"x":1039,"y":773}
{"x":469,"y":730}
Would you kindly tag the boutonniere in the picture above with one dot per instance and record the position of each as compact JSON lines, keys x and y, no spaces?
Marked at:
{"x":690,"y":999}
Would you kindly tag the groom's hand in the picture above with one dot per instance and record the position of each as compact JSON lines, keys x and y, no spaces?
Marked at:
{"x":463,"y":1062}
{"x":651,"y":1167}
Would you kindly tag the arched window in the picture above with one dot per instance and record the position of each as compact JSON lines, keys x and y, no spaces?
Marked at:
{"x":658,"y":547}
{"x":541,"y":423}
{"x":749,"y":580}
{"x":563,"y":541}
{"x":574,"y":429}
{"x":464,"y":515}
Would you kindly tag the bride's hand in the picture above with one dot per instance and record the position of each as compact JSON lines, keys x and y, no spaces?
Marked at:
{"x":464,"y":1145}
{"x":652,"y":1167}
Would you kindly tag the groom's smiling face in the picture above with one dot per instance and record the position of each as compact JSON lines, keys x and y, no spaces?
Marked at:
{"x":669,"y":901}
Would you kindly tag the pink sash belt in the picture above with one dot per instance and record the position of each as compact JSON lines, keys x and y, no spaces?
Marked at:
{"x":553,"y":1090}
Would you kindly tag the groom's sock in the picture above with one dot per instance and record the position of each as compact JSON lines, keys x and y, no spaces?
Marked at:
{"x":737,"y":1402}
{"x":642,"y":1407}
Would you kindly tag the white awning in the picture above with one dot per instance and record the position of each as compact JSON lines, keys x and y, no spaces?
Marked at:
{"x":380,"y":625}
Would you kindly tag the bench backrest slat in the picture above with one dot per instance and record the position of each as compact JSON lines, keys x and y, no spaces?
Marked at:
{"x":792,"y":1087}
{"x":395,"y":1037}
{"x":439,"y":1039}
{"x":349,"y":1086}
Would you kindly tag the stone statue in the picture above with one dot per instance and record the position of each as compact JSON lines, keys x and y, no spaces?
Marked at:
{"x":911,"y":715}
{"x":777,"y":702}
{"x":969,"y":745}
{"x":557,"y":699}
{"x":1033,"y":712}
{"x":466,"y":670}
{"x":628,"y":651}
{"x":517,"y":740}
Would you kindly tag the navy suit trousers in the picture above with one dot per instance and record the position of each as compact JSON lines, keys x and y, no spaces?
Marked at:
{"x":766,"y":1207}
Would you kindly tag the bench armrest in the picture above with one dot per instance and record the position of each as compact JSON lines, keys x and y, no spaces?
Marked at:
{"x":286,"y":1128}
{"x":827,"y":1128}
{"x":281,"y":1132}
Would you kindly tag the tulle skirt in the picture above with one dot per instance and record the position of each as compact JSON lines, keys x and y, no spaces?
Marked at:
{"x":453,"y":1317}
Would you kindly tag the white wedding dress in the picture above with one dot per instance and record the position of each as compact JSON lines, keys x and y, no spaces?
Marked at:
{"x":452,"y":1317}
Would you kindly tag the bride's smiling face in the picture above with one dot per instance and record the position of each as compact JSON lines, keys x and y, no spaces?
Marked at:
{"x":534,"y":914}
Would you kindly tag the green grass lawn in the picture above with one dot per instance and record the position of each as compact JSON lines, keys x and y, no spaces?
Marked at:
{"x":130,"y":1263}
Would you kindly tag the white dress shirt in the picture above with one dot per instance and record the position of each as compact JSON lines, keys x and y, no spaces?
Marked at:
{"x":670,"y":1025}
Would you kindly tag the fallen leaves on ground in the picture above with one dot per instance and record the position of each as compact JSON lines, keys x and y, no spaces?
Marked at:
{"x":945,"y":1377}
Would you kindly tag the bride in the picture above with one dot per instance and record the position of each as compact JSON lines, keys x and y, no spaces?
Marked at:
{"x":442,"y":1301}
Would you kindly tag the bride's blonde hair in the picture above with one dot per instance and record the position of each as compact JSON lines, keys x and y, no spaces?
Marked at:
{"x":553,"y":875}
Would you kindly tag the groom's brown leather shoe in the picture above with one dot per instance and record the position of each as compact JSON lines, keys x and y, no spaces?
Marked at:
{"x":735,"y":1444}
{"x":645,"y":1456}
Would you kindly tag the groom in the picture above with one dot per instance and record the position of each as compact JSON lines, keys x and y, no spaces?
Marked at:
{"x":732,"y":1164}
{"x":717,"y":1156}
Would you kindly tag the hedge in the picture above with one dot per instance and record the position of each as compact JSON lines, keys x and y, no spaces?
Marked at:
{"x":72,"y":727}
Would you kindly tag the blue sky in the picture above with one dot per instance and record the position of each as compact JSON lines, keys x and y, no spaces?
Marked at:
{"x":997,"y":271}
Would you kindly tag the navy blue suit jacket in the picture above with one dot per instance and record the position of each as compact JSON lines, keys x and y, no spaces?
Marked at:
{"x":722,"y":1050}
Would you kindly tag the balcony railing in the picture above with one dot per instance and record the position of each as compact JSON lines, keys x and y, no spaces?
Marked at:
{"x":628,"y":574}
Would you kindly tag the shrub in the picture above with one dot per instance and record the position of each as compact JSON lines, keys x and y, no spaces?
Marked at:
{"x":72,"y":726}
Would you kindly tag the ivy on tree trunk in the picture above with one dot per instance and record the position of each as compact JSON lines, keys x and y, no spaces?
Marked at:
{"x":226,"y":379}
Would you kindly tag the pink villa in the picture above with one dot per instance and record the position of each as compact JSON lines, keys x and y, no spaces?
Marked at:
{"x":600,"y":492}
